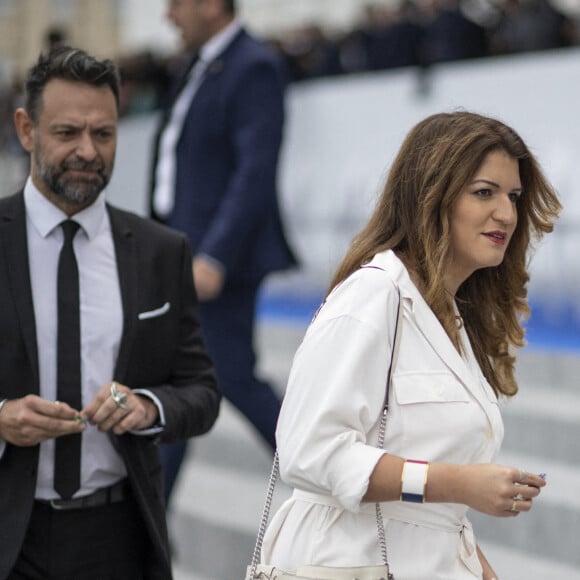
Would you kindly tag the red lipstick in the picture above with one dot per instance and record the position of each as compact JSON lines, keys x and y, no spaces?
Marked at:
{"x":497,"y":237}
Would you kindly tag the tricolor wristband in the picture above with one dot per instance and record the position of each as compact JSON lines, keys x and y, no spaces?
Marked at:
{"x":414,"y":480}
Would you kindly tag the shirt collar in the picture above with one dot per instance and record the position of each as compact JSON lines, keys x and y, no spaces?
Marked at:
{"x":218,"y":43}
{"x":45,"y":216}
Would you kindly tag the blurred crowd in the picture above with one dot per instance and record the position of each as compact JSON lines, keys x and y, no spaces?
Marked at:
{"x":415,"y":34}
{"x":424,"y":34}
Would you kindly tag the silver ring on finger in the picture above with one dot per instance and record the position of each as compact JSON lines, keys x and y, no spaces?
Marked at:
{"x":119,"y":397}
{"x":518,"y":497}
{"x":523,"y":476}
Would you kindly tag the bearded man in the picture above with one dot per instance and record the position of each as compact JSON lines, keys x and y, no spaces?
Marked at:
{"x":101,"y":355}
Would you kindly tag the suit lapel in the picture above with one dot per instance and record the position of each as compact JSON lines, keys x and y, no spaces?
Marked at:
{"x":218,"y":65}
{"x":125,"y":250}
{"x":14,"y":242}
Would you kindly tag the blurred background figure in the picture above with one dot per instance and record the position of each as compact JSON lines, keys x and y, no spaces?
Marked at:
{"x":145,"y":77}
{"x":14,"y":162}
{"x":55,"y":37}
{"x":214,"y":177}
{"x":310,"y":54}
{"x":450,"y":35}
{"x":531,"y":25}
{"x":394,"y":37}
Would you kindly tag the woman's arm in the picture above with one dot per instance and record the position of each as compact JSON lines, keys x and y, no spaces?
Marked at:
{"x":485,"y":487}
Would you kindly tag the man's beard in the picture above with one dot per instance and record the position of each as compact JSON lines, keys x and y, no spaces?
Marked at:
{"x":78,"y":190}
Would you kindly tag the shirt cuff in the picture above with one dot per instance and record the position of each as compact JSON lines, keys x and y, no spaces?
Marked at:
{"x":158,"y":427}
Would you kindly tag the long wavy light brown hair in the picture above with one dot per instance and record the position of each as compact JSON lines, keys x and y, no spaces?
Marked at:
{"x":438,"y":158}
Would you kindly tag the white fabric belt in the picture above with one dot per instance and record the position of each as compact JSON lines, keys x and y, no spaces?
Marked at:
{"x":444,"y":520}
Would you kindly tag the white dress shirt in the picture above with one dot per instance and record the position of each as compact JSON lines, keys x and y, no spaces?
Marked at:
{"x":101,"y":325}
{"x":163,"y":196}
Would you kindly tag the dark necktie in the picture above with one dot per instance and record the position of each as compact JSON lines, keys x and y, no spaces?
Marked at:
{"x":67,"y":459}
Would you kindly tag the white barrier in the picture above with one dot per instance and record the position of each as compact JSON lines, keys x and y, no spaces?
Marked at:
{"x":342,"y":133}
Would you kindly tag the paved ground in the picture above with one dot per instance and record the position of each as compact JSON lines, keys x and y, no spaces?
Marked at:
{"x":219,"y":496}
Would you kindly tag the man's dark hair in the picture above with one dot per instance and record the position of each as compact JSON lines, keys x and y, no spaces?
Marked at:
{"x":70,"y":64}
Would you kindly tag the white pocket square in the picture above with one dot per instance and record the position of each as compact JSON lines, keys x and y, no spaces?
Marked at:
{"x":154,"y":313}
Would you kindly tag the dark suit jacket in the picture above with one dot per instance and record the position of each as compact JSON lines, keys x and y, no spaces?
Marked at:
{"x":164,"y":354}
{"x":227,"y":155}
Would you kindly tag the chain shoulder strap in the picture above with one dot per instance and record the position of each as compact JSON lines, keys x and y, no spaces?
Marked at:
{"x":381,"y":440}
{"x":265,"y":514}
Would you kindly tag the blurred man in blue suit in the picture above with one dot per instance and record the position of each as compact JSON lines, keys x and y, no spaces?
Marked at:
{"x":214,"y":178}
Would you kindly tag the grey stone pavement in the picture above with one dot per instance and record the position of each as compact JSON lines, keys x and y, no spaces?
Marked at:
{"x":220,"y":493}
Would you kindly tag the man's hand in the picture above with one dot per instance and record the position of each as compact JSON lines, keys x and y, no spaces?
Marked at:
{"x":30,"y":420}
{"x":137,"y":413}
{"x":208,"y":278}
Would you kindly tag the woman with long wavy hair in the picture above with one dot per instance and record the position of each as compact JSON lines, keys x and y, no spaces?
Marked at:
{"x":443,"y":259}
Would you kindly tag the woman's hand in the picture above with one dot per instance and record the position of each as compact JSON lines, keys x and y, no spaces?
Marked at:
{"x":488,"y":488}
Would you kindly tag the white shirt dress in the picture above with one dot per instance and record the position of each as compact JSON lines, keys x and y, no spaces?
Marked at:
{"x":441,"y":409}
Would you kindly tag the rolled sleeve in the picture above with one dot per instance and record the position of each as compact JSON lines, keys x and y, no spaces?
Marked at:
{"x":328,"y":427}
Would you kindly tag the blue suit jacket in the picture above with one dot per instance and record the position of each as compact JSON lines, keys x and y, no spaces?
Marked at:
{"x":227,"y":155}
